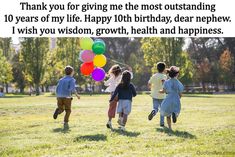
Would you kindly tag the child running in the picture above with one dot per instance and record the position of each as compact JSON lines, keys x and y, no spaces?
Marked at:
{"x":64,"y":90}
{"x":155,"y":84}
{"x":125,"y":91}
{"x":115,"y":76}
{"x":173,"y":88}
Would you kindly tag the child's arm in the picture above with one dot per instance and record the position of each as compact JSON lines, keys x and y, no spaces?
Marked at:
{"x":180,"y":95}
{"x":77,"y":95}
{"x":149,"y":86}
{"x":162,"y":91}
{"x":72,"y":89}
{"x":133,"y":91}
{"x":110,"y":80}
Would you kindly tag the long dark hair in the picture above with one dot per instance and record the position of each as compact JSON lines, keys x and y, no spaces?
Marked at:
{"x":126,"y":79}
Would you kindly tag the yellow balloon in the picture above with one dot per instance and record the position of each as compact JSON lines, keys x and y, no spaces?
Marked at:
{"x":99,"y":61}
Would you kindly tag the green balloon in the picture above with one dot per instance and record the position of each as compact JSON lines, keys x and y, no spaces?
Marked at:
{"x":86,"y":43}
{"x":98,"y":47}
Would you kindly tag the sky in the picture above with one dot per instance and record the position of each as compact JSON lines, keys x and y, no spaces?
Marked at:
{"x":15,"y":40}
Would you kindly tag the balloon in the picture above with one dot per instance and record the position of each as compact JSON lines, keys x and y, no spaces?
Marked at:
{"x":98,"y":47}
{"x":86,"y":43}
{"x":100,"y":61}
{"x":98,"y":74}
{"x":80,"y":56}
{"x":87,"y":68}
{"x":87,"y":56}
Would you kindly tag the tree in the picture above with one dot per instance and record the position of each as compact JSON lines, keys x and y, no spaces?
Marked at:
{"x":226,"y":63}
{"x":170,"y":51}
{"x":18,"y":72}
{"x":5,"y":45}
{"x":5,"y":70}
{"x":54,"y":70}
{"x":34,"y":51}
{"x":128,"y":52}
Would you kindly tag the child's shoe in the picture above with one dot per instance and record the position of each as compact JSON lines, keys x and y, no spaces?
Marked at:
{"x":55,"y":115}
{"x":162,"y":125}
{"x":151,"y":115}
{"x":122,"y":128}
{"x":174,"y":118}
{"x":109,"y":125}
{"x":66,"y":125}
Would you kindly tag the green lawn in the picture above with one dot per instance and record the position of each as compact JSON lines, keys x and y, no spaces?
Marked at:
{"x":206,"y":126}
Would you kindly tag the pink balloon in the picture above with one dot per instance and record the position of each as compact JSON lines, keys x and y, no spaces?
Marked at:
{"x":87,"y":56}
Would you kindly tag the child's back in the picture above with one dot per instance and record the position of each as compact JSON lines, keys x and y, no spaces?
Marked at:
{"x":65,"y":87}
{"x":173,"y":87}
{"x":156,"y":82}
{"x":124,"y":93}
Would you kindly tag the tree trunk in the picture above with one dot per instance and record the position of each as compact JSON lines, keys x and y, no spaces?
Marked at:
{"x":47,"y":88}
{"x":37,"y":89}
{"x":203,"y":87}
{"x":21,"y":90}
{"x":42,"y":89}
{"x":7,"y":88}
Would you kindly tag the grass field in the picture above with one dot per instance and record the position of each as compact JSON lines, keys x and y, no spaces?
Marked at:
{"x":206,"y":127}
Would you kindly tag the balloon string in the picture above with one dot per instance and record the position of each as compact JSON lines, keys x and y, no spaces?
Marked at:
{"x":117,"y":62}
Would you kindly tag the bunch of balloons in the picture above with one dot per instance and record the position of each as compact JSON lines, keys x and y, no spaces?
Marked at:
{"x":93,"y":58}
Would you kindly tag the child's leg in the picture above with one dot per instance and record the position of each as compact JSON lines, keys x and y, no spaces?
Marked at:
{"x":60,"y":107}
{"x":125,"y":116}
{"x":126,"y":110}
{"x":161,"y":117}
{"x":67,"y":102}
{"x":155,"y":109}
{"x":112,"y":110}
{"x":169,"y":121}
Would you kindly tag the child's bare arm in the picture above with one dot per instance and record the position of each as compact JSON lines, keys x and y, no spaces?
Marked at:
{"x":77,"y":95}
{"x":162,"y":91}
{"x":149,"y":85}
{"x":180,"y":95}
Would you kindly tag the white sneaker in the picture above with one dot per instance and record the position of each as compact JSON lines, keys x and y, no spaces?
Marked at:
{"x":122,"y":128}
{"x":66,"y":125}
{"x":109,"y":125}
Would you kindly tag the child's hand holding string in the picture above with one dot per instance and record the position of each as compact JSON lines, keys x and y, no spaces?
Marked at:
{"x":162,"y":91}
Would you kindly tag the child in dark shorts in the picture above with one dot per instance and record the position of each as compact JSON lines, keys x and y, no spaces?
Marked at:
{"x":64,"y":90}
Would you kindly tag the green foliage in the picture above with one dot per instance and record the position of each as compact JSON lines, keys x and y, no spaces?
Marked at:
{"x":34,"y":51}
{"x":5,"y":69}
{"x":18,"y":72}
{"x":54,"y":69}
{"x":5,"y":45}
{"x":168,"y":50}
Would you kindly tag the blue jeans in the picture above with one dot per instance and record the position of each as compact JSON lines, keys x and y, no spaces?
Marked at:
{"x":156,"y":106}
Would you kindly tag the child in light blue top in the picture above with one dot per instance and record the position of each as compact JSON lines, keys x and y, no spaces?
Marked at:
{"x":173,"y":88}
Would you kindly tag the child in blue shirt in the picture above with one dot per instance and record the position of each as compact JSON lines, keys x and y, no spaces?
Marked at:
{"x":125,"y":91}
{"x":173,"y":88}
{"x":64,"y":90}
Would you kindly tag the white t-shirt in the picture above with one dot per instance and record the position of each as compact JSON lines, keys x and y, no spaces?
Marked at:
{"x":156,"y":82}
{"x":112,"y":83}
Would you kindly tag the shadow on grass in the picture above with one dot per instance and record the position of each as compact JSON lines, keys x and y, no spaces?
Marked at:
{"x":61,"y":130}
{"x":126,"y":133}
{"x":182,"y":134}
{"x":96,"y":137}
{"x":13,"y":96}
